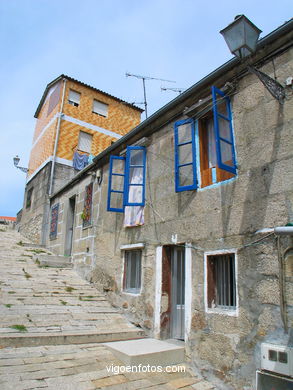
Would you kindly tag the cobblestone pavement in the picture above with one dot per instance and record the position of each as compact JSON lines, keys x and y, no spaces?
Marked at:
{"x":39,"y":301}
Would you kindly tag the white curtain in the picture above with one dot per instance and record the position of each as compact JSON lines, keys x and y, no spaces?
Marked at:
{"x":134,"y":215}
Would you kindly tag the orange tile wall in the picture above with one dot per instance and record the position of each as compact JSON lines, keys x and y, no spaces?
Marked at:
{"x":121,"y":119}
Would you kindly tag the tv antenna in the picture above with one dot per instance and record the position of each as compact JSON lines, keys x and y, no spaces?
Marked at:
{"x":144,"y":78}
{"x":178,"y":90}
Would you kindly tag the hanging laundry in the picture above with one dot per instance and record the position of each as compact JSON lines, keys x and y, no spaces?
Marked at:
{"x":80,"y":161}
{"x":91,"y":157}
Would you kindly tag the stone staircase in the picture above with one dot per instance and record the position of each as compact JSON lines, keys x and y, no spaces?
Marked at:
{"x":51,"y":306}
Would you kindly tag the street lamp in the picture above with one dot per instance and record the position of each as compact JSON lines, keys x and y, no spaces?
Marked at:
{"x":241,"y":37}
{"x":16,"y":160}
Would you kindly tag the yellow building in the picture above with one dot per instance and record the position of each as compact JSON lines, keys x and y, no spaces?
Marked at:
{"x":73,"y":116}
{"x":75,"y":122}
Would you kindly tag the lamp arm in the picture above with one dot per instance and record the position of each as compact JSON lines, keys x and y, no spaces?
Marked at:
{"x":23,"y":169}
{"x":273,"y":86}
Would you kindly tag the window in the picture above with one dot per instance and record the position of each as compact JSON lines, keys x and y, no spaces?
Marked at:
{"x":29,"y":198}
{"x":74,"y":98}
{"x":221,"y":281}
{"x":87,"y":208}
{"x":215,"y":144}
{"x":127,"y":179}
{"x":132,"y":271}
{"x":54,"y":222}
{"x":85,"y":142}
{"x":100,"y":108}
{"x":54,"y":96}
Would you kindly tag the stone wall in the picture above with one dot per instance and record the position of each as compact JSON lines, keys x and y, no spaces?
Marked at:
{"x":228,"y":216}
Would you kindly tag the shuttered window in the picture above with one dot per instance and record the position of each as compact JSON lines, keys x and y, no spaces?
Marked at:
{"x":74,"y":98}
{"x":100,"y":108}
{"x":85,"y":142}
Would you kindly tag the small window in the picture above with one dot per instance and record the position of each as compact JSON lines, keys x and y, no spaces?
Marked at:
{"x":87,"y":208}
{"x":132,"y":271}
{"x":221,"y":281}
{"x":100,"y":108}
{"x":74,"y":98}
{"x":29,"y":198}
{"x":85,"y":142}
{"x":54,"y":221}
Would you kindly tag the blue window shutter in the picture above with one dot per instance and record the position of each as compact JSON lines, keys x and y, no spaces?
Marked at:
{"x":116,"y":186}
{"x":223,"y":131}
{"x":185,"y":156}
{"x":135,"y":176}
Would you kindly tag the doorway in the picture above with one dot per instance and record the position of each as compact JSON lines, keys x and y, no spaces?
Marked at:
{"x":69,"y":226}
{"x":173,"y":293}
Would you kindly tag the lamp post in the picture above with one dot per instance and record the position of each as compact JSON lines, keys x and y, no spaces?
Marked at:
{"x":241,"y":37}
{"x":16,"y":160}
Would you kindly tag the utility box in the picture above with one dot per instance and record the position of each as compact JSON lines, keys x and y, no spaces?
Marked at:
{"x":270,"y":381}
{"x":277,"y":358}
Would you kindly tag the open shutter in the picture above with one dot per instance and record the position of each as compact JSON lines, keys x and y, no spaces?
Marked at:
{"x":116,"y":184}
{"x":185,"y":156}
{"x":135,"y":176}
{"x":223,"y":131}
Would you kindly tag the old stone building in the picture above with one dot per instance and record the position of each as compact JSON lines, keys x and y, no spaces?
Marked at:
{"x":176,"y":220}
{"x":75,"y":122}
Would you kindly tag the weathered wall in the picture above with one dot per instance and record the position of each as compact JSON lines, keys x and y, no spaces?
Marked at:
{"x":223,"y":216}
{"x":32,"y":221}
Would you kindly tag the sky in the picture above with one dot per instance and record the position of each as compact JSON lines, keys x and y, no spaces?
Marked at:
{"x":97,"y":42}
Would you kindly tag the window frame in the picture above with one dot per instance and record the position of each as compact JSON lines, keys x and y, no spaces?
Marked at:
{"x":72,"y":102}
{"x":29,"y":198}
{"x":218,"y":138}
{"x":229,"y":311}
{"x":178,"y":187}
{"x":88,"y":223}
{"x":126,"y":273}
{"x":53,"y":233}
{"x":126,"y":175}
{"x":99,"y":113}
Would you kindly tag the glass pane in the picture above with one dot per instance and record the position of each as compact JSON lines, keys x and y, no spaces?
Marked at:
{"x":226,"y":153}
{"x":224,"y":129}
{"x":186,"y":175}
{"x":136,"y":157}
{"x":135,"y":194}
{"x":185,"y":154}
{"x":222,"y":106}
{"x":118,"y":166}
{"x":212,"y":154}
{"x":117,"y":183}
{"x":116,"y":200}
{"x":136,"y":175}
{"x":184,"y":133}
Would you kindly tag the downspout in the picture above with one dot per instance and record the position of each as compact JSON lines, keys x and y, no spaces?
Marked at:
{"x":56,"y":140}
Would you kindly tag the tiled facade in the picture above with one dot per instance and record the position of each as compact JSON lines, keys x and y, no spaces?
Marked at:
{"x":121,"y":118}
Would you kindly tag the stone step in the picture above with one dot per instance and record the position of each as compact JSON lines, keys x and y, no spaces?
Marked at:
{"x":67,"y":338}
{"x":53,"y":261}
{"x":148,"y":351}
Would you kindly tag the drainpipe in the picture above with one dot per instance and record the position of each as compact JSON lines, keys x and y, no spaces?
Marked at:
{"x":56,"y":140}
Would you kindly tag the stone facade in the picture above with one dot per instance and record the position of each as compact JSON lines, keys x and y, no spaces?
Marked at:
{"x":235,"y":216}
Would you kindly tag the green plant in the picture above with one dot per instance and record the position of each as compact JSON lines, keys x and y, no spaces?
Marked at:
{"x":63,"y":302}
{"x":11,"y":292}
{"x":21,"y":261}
{"x":20,"y":328}
{"x":69,"y":289}
{"x":26,"y":274}
{"x":37,"y":251}
{"x":20,"y":243}
{"x":8,"y":305}
{"x":37,"y":262}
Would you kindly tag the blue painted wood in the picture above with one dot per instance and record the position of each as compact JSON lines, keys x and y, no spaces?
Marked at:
{"x":128,"y":166}
{"x":110,"y":189}
{"x":178,"y":166}
{"x":222,"y":97}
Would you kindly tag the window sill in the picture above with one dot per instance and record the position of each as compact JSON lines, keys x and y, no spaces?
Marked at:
{"x":87,"y":227}
{"x":132,"y":293}
{"x":218,"y":184}
{"x":225,"y":312}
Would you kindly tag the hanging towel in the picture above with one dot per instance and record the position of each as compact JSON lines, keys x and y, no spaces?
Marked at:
{"x":80,"y":161}
{"x":91,"y":157}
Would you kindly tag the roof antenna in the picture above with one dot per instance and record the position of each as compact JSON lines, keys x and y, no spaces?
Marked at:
{"x":144,"y":78}
{"x":178,"y":90}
